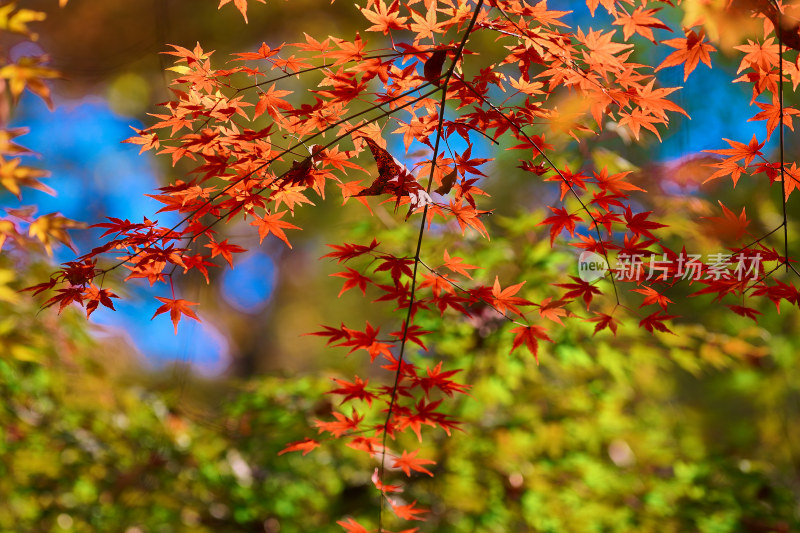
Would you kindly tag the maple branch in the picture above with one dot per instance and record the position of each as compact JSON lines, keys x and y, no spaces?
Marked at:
{"x":462,"y":289}
{"x":291,"y":74}
{"x":412,"y":296}
{"x":553,"y":166}
{"x":762,"y":278}
{"x":262,"y":166}
{"x":779,"y":33}
{"x":319,"y":67}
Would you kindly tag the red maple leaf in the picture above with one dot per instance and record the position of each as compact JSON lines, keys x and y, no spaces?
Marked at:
{"x":96,"y":296}
{"x":383,"y":487}
{"x":356,"y":390}
{"x":615,"y":183}
{"x":65,"y":297}
{"x":652,"y":296}
{"x":353,"y":278}
{"x":411,"y":334}
{"x":396,"y":266}
{"x":639,"y":225}
{"x":345,"y":252}
{"x":579,"y":288}
{"x":370,"y":445}
{"x":604,"y":321}
{"x":748,"y":312}
{"x":560,"y":220}
{"x":529,"y":336}
{"x":568,"y":181}
{"x":437,"y":378}
{"x":343,"y":425}
{"x":655,"y":321}
{"x":367,"y":340}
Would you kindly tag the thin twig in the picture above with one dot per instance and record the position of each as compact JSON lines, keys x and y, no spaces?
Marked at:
{"x":422,"y":226}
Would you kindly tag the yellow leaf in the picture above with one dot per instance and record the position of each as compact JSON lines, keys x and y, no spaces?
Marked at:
{"x":17,"y":21}
{"x":13,"y":176}
{"x":7,"y":146}
{"x":7,"y":229}
{"x":24,"y":353}
{"x":53,"y":226}
{"x":180,"y":69}
{"x":28,"y":73}
{"x":7,"y":294}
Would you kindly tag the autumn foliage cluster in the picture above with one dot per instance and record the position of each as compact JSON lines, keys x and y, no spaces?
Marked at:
{"x":409,"y":114}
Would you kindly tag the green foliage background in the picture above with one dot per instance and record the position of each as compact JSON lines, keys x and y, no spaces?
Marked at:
{"x":692,"y":432}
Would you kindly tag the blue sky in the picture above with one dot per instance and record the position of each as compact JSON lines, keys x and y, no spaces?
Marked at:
{"x":96,"y":175}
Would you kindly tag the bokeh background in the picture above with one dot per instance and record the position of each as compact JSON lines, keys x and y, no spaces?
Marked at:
{"x":120,"y":425}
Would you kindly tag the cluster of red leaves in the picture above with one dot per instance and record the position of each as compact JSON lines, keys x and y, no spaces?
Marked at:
{"x":258,"y":151}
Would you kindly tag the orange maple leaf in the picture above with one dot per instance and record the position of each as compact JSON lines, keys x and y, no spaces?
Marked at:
{"x":409,"y":462}
{"x":503,"y":299}
{"x":772,"y":114}
{"x":384,"y":19}
{"x":640,"y":21}
{"x":407,"y":512}
{"x":241,"y":5}
{"x":29,"y":73}
{"x":637,"y":119}
{"x":552,"y":310}
{"x":271,"y":223}
{"x":225,"y":249}
{"x":609,"y":5}
{"x":737,"y":151}
{"x":729,"y":226}
{"x":351,"y":526}
{"x":305,"y":445}
{"x":690,"y":51}
{"x":456,"y":264}
{"x":176,"y":308}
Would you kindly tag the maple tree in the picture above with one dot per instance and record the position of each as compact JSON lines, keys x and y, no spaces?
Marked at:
{"x":434,"y":86}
